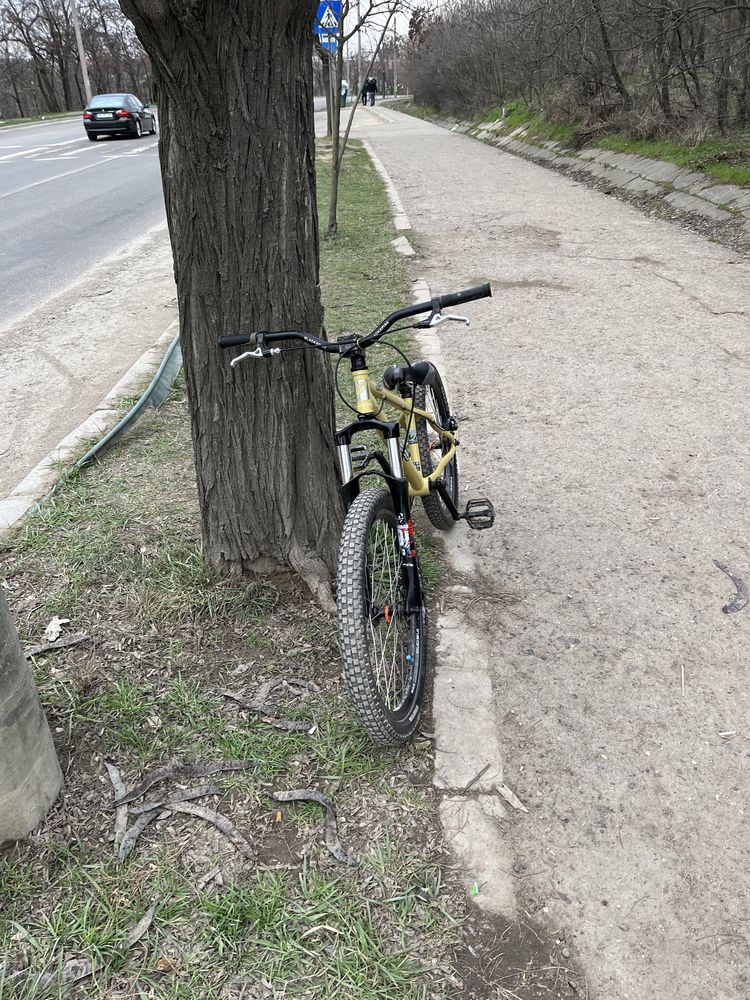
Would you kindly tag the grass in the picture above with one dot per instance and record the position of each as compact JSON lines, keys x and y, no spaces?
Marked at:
{"x":727,"y":159}
{"x":724,"y":158}
{"x":117,"y":552}
{"x":50,"y":116}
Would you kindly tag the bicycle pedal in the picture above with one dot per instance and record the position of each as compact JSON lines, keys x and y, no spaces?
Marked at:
{"x":479,"y":514}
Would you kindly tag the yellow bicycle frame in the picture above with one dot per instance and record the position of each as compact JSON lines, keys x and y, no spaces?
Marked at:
{"x":370,"y":399}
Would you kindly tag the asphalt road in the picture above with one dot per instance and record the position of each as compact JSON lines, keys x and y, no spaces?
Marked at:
{"x":67,"y":203}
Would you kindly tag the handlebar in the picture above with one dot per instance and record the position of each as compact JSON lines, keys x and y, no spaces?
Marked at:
{"x":344,"y":344}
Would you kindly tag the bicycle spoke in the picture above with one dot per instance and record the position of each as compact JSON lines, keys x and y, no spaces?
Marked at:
{"x":386,"y":620}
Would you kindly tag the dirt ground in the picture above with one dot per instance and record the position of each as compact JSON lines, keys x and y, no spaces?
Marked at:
{"x":60,"y":361}
{"x":602,"y":397}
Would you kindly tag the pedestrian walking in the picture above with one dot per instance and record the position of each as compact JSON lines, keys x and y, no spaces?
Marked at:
{"x":363,"y":92}
{"x":372,"y":89}
{"x":344,"y":92}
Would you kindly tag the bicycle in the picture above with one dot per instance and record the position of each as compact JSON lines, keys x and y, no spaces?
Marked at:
{"x":380,"y":599}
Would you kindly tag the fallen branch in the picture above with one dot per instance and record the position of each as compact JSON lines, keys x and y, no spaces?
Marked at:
{"x":47,"y":647}
{"x":333,"y":843}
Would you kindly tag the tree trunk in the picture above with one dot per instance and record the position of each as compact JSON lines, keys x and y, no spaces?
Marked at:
{"x":30,"y":776}
{"x":234,"y":88}
{"x":627,"y":100}
{"x":337,"y":153}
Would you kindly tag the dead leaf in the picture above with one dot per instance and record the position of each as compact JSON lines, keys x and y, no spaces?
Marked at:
{"x":219,"y":821}
{"x":140,"y":928}
{"x":121,"y":815}
{"x":73,"y":970}
{"x":166,"y":964}
{"x":511,"y":797}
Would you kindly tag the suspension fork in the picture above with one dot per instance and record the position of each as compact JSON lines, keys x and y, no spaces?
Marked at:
{"x":398,"y":487}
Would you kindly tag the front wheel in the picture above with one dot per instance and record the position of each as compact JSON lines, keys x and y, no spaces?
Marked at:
{"x":384,"y":649}
{"x":434,"y":400}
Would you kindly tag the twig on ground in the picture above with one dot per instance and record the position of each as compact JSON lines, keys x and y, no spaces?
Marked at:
{"x":333,"y":843}
{"x":476,"y":777}
{"x":47,"y":647}
{"x":268,"y":713}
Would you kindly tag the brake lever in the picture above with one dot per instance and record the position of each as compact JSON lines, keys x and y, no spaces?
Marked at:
{"x":437,"y":319}
{"x":259,"y":352}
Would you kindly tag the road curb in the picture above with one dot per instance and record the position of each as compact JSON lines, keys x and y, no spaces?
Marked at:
{"x":468,"y":751}
{"x":43,"y":477}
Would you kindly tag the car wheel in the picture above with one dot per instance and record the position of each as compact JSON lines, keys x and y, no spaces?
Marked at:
{"x":138,"y":130}
{"x":93,"y":136}
{"x":152,"y":130}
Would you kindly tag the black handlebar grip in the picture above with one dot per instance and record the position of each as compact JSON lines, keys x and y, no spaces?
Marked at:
{"x":237,"y":341}
{"x":468,"y":295}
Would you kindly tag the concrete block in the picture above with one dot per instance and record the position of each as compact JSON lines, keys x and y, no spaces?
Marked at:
{"x":464,"y":710}
{"x":482,"y":850}
{"x":641,"y":185}
{"x":724,"y":194}
{"x":689,"y":203}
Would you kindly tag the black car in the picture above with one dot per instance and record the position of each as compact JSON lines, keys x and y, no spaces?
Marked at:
{"x":117,"y":114}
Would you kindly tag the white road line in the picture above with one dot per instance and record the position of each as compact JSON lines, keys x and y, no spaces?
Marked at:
{"x":57,"y":177}
{"x":50,"y":159}
{"x":40,"y":149}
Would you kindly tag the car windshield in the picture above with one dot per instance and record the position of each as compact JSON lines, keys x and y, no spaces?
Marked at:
{"x":107,"y":100}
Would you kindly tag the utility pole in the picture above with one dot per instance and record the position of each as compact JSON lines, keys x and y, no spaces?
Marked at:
{"x":81,"y":53}
{"x":360,"y":81}
{"x":395,"y":88}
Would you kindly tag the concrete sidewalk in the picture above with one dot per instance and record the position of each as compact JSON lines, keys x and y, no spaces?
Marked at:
{"x":602,"y":395}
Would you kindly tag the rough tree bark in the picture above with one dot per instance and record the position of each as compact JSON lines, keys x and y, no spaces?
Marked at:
{"x":234,"y":86}
{"x":30,"y":776}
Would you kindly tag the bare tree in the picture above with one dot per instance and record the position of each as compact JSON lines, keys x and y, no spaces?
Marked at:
{"x":644,"y":65}
{"x":372,"y":9}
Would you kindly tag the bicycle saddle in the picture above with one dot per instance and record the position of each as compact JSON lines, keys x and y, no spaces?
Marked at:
{"x":419,"y":373}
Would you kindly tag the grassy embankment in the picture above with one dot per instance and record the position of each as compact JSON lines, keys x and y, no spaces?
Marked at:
{"x":117,"y":552}
{"x":726,"y":158}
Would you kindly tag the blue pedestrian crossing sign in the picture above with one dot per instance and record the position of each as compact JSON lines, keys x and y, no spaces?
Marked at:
{"x":327,"y":23}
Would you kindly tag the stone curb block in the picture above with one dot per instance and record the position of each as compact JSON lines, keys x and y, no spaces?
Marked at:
{"x":685,"y":190}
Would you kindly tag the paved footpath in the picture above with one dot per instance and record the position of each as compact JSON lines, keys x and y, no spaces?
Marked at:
{"x":603,"y":397}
